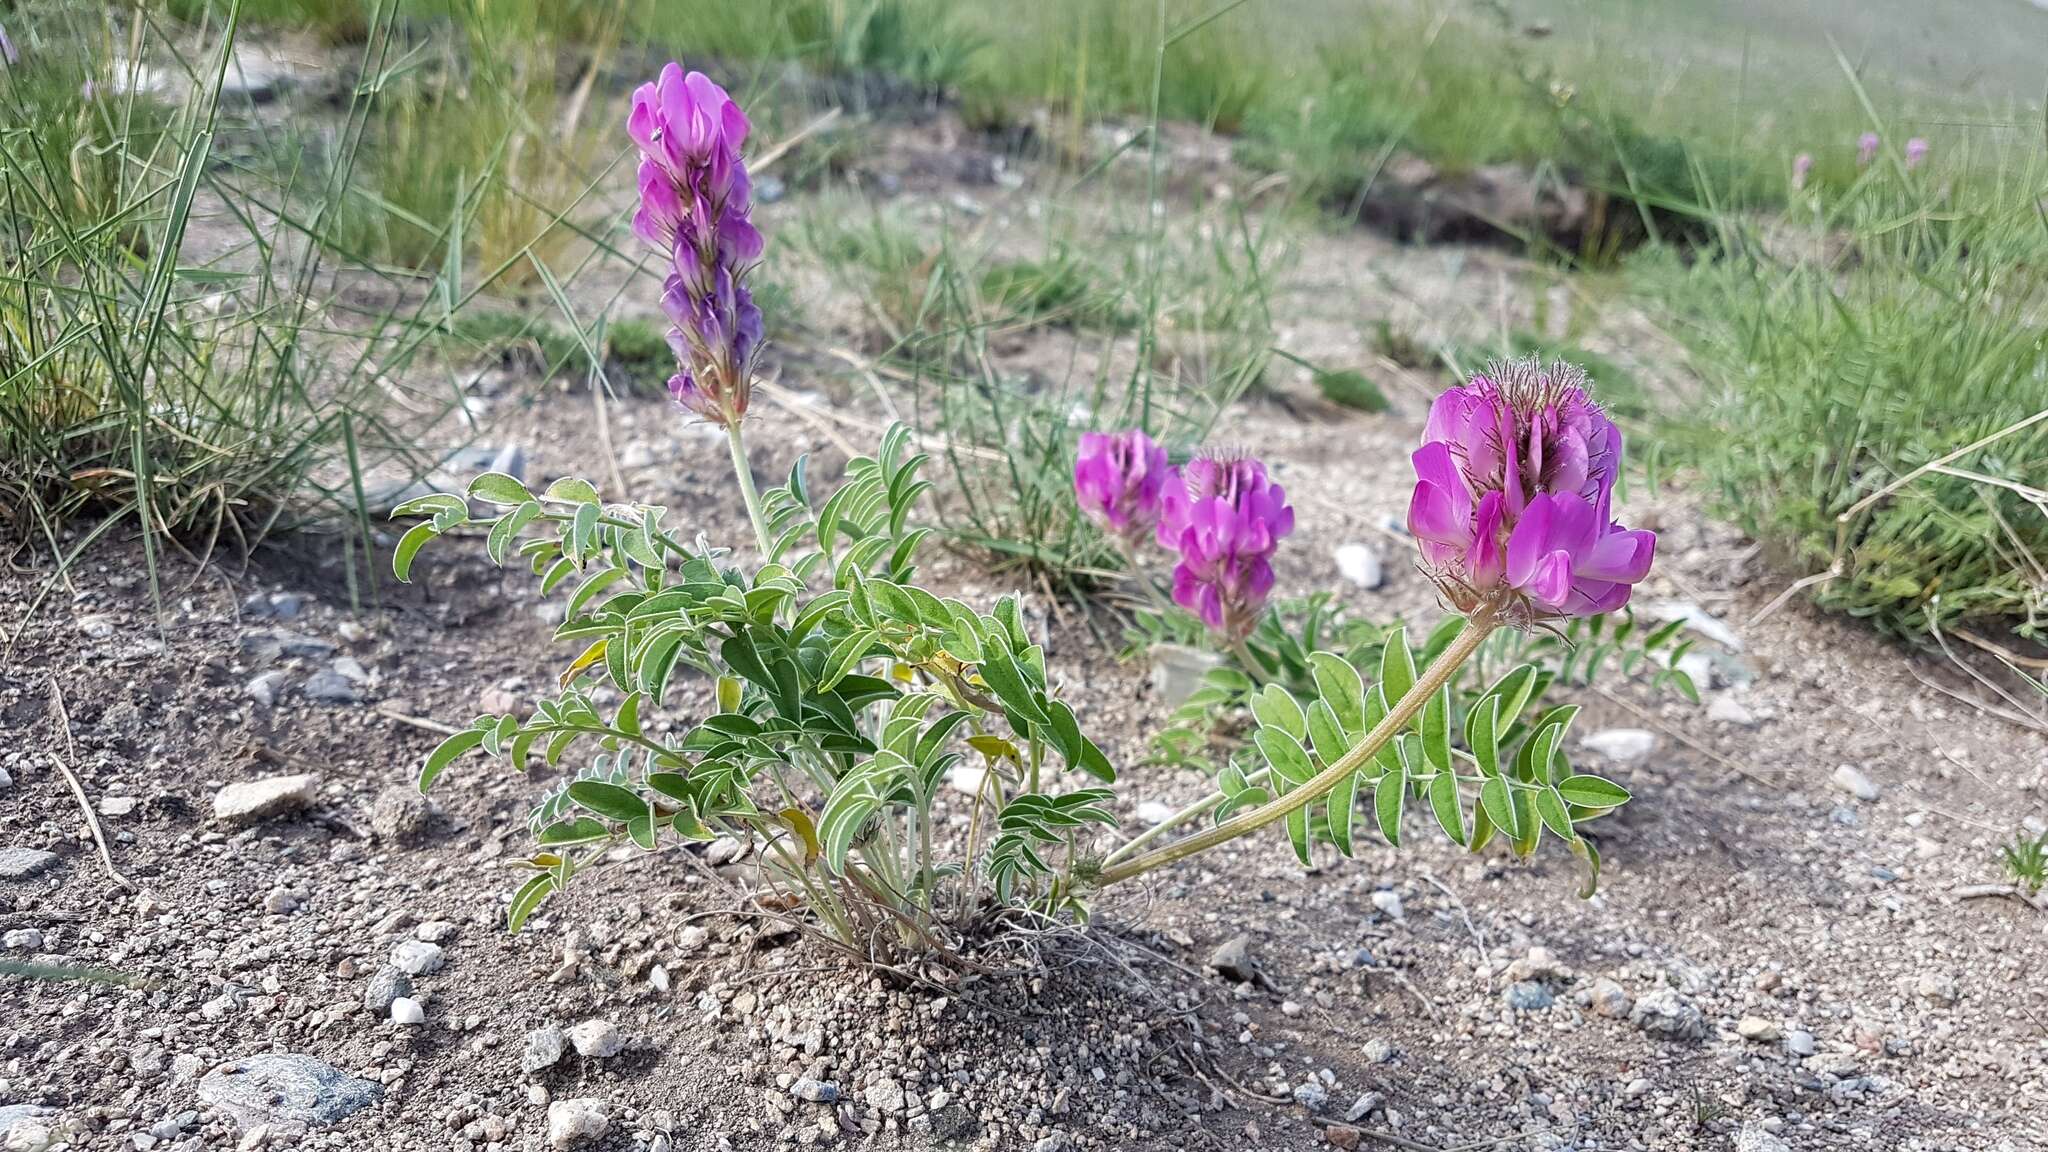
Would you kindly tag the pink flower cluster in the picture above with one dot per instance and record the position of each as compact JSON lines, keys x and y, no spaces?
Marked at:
{"x":1223,"y":518}
{"x":1120,"y":481}
{"x":695,"y":204}
{"x":1515,"y":479}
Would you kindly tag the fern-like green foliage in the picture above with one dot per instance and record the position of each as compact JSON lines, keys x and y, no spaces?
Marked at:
{"x":844,"y":697}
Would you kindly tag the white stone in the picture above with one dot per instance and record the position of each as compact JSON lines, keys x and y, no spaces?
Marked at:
{"x":1758,"y":1029}
{"x":1361,"y":565}
{"x":416,"y":957}
{"x":571,"y":1122}
{"x":1622,"y":745}
{"x":1856,"y":784}
{"x":406,"y":1010}
{"x":271,"y":796}
{"x":597,"y":1039}
{"x":1154,"y":812}
{"x":1727,"y":709}
{"x":1388,"y":902}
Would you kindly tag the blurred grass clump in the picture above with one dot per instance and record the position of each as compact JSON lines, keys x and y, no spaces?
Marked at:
{"x":172,"y":360}
{"x":1877,"y":391}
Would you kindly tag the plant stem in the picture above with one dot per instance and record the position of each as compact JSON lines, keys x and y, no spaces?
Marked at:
{"x":745,"y":475}
{"x":1397,"y":719}
{"x":1200,"y":807}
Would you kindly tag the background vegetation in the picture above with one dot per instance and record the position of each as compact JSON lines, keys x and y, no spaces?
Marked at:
{"x":1846,"y":341}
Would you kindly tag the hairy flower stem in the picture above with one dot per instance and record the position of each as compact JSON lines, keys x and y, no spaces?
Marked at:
{"x":1433,"y":678}
{"x":745,"y":475}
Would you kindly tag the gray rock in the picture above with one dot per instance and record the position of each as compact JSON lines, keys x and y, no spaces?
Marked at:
{"x":21,"y":863}
{"x":1364,"y":1106}
{"x":6,"y":780}
{"x":952,"y":1122}
{"x":597,"y":1039}
{"x":30,"y":1127}
{"x":1310,"y":1094}
{"x":724,"y":850}
{"x":277,"y":1088}
{"x":1388,"y":902}
{"x":22,"y":940}
{"x":416,"y":957}
{"x":250,"y":800}
{"x":1622,"y":745}
{"x":815,"y":1091}
{"x":1527,"y":996}
{"x":1540,"y":964}
{"x":1232,"y":960}
{"x":264,"y":646}
{"x":1754,"y":1137}
{"x":407,"y":1011}
{"x":435,"y":931}
{"x":386,"y":985}
{"x":885,"y":1095}
{"x":1361,"y":565}
{"x":1664,"y":1013}
{"x":1758,"y":1029}
{"x":1698,"y":620}
{"x":1800,"y":1043}
{"x":572,"y":1122}
{"x":1727,"y":709}
{"x":401,"y":815}
{"x":330,"y":686}
{"x":1177,"y":671}
{"x":1851,"y":780}
{"x":1056,"y":1142}
{"x":543,"y":1049}
{"x":266,"y":688}
{"x":1610,"y":999}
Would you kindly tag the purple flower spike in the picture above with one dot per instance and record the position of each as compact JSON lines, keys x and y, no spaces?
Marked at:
{"x":7,"y":50}
{"x":1916,"y":151}
{"x":1802,"y":167}
{"x":695,"y":203}
{"x":1514,"y":481}
{"x":1225,"y":518}
{"x":1866,"y":149}
{"x":1120,"y":481}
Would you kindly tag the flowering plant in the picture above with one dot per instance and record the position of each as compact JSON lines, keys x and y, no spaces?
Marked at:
{"x":1512,"y":516}
{"x":843,"y":699}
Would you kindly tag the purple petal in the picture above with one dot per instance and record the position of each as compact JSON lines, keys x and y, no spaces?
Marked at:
{"x":1530,"y":542}
{"x":1433,"y":515}
{"x":1622,"y":557}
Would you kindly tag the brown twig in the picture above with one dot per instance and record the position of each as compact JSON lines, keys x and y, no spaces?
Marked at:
{"x":92,"y":818}
{"x":419,"y":722}
{"x":1980,"y":891}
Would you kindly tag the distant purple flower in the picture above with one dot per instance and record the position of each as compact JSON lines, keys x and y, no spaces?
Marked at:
{"x":1866,"y":149}
{"x":1515,"y":478}
{"x":7,"y":51}
{"x":1916,"y":151}
{"x":694,"y":208}
{"x":1120,"y":481}
{"x":1802,"y":166}
{"x":1225,"y":518}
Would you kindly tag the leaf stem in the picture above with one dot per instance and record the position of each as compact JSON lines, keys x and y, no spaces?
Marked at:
{"x":745,"y":475}
{"x":1397,"y":719}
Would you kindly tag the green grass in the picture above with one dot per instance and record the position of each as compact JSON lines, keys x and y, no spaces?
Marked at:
{"x":1897,"y":329}
{"x":138,"y":386}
